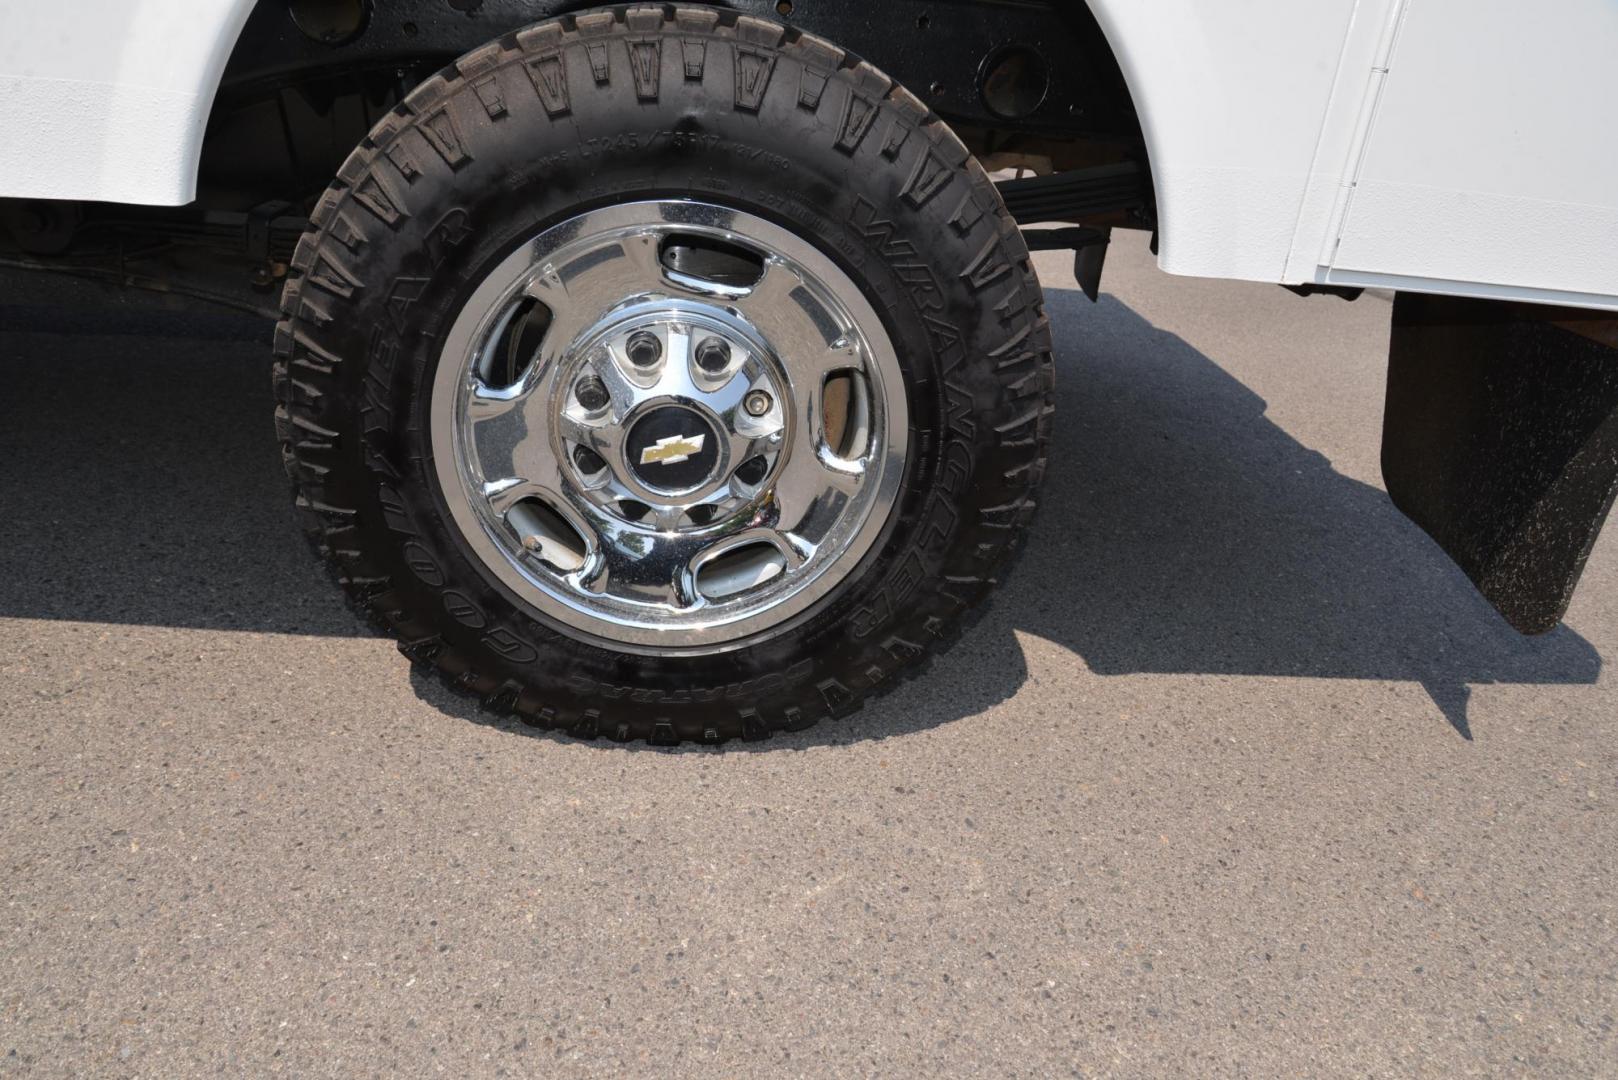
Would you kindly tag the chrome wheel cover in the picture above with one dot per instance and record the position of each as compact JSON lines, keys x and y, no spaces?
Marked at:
{"x":684,"y":459}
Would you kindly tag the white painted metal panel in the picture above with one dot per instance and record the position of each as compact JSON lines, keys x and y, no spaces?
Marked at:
{"x":1492,"y":163}
{"x":1233,"y":96}
{"x":107,"y":99}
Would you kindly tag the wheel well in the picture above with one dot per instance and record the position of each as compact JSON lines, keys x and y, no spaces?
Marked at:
{"x":1027,"y":86}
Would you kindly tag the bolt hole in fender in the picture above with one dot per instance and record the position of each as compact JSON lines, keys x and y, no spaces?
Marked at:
{"x":669,"y":424}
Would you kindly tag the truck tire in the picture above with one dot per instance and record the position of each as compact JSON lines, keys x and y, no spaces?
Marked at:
{"x":664,"y":374}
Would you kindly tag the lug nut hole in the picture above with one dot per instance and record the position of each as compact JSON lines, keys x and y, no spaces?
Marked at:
{"x":592,"y":393}
{"x":757,"y":403}
{"x":752,"y":470}
{"x":713,"y":355}
{"x":643,"y":349}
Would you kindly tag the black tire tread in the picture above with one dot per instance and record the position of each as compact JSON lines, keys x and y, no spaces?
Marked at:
{"x":358,"y":203}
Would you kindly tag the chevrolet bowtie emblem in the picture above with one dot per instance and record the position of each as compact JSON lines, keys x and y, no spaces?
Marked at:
{"x":673,"y":449}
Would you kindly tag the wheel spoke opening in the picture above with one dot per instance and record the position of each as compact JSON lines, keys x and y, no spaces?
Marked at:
{"x":548,"y":536}
{"x":845,"y":406}
{"x":710,"y":265}
{"x":514,"y":345}
{"x":739,"y":569}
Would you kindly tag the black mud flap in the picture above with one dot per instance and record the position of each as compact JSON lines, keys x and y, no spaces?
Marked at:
{"x":1501,"y":441}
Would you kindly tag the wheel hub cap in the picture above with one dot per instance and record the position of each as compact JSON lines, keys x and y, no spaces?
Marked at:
{"x":669,"y":458}
{"x":672,"y":449}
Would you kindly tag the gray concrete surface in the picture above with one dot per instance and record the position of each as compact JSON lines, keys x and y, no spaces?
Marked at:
{"x":1238,"y":776}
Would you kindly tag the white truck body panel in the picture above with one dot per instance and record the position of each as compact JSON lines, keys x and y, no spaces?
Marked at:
{"x":107,"y":99}
{"x":1459,"y":146}
{"x":1451,"y":146}
{"x":1492,"y":158}
{"x":1232,"y":96}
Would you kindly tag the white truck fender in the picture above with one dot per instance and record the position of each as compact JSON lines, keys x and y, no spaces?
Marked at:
{"x":107,"y":99}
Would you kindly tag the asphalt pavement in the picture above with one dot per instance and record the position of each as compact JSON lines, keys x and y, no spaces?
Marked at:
{"x":1237,"y":777}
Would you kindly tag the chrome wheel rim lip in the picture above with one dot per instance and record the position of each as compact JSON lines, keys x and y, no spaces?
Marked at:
{"x":841,"y":522}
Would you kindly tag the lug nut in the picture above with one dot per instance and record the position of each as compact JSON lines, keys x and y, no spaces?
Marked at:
{"x":592,"y":393}
{"x":713,"y":355}
{"x":757,"y":403}
{"x":643,"y":349}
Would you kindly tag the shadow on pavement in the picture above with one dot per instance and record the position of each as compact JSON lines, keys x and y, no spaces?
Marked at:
{"x":1193,"y":535}
{"x":141,"y":480}
{"x":1181,"y":531}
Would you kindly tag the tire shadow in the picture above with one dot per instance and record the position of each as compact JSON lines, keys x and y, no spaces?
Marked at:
{"x":1180,"y":532}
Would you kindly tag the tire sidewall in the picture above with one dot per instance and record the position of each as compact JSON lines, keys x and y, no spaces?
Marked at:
{"x":526,"y":171}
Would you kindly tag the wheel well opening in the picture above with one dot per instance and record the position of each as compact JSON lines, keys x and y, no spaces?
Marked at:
{"x":1031,"y":88}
